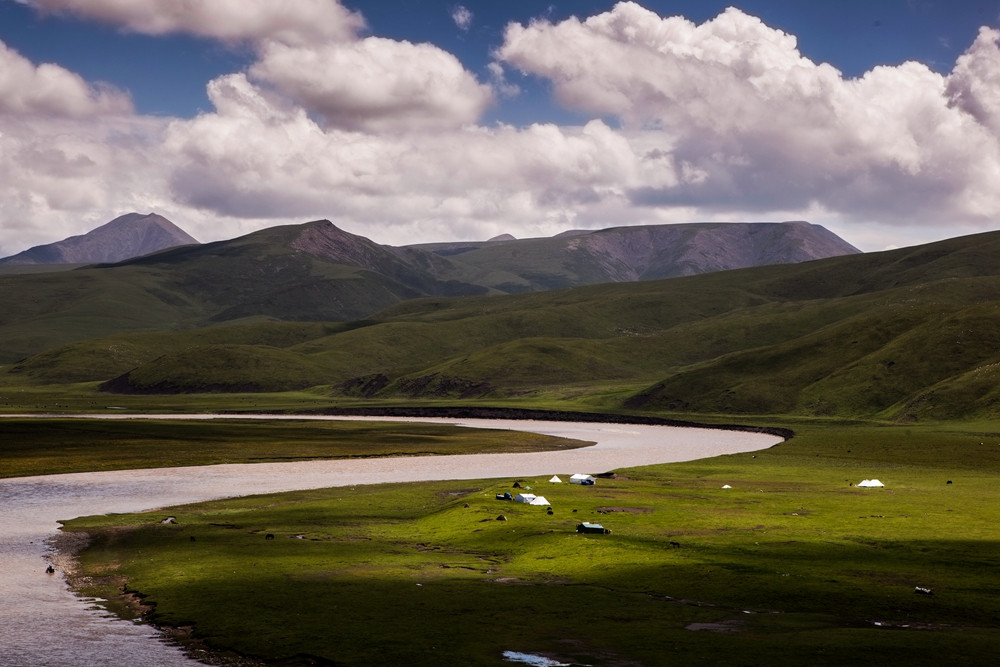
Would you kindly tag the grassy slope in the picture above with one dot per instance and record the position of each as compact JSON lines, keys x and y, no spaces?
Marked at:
{"x":106,"y":357}
{"x":537,"y":264}
{"x":817,"y":562}
{"x":43,"y":311}
{"x":253,"y":276}
{"x":908,"y":334}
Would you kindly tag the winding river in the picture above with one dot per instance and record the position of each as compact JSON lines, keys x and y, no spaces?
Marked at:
{"x":42,"y":623}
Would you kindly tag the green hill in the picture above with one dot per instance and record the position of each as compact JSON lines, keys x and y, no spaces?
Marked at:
{"x":904,"y":334}
{"x":317,"y":272}
{"x":311,"y":272}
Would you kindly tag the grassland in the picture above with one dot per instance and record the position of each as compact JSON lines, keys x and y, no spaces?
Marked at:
{"x":792,"y":565}
{"x":34,"y":446}
{"x":898,"y":336}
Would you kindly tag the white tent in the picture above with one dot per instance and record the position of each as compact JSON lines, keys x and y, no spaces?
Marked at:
{"x":524,"y":497}
{"x":539,"y":500}
{"x":581,"y":479}
{"x":555,"y":479}
{"x":870,"y":483}
{"x":726,"y":486}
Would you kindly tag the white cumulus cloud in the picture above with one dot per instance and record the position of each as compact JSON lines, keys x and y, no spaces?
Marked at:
{"x":974,"y":84}
{"x":251,"y":158}
{"x":50,"y":90}
{"x":375,"y":84}
{"x":297,"y":22}
{"x":748,"y":124}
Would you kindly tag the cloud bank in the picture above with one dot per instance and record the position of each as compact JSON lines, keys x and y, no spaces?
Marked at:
{"x":725,"y":120}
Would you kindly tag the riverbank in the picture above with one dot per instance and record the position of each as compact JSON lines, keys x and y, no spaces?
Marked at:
{"x":63,"y":549}
{"x":38,"y":444}
{"x":790,"y":564}
{"x":30,"y":601}
{"x":477,"y":412}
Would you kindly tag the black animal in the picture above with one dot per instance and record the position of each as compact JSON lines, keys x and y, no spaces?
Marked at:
{"x":269,"y":536}
{"x":50,"y":570}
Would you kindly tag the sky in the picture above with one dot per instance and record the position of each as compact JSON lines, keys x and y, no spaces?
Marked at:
{"x":411,"y":121}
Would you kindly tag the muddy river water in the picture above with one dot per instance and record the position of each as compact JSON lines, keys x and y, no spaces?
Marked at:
{"x":43,"y":624}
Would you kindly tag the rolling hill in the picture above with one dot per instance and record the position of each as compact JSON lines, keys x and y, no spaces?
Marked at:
{"x":909,"y":334}
{"x":317,"y":272}
{"x":305,"y":272}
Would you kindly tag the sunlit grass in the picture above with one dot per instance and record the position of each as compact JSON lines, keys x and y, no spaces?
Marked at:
{"x":791,"y":564}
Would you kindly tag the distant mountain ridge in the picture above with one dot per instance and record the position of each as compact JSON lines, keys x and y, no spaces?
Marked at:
{"x":127,"y":236}
{"x":641,"y":252}
{"x":317,"y":272}
{"x":503,"y":263}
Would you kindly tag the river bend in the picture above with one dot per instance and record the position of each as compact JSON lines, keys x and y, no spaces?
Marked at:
{"x":42,"y":623}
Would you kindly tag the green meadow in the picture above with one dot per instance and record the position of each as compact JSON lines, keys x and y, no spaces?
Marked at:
{"x":791,"y":565}
{"x":36,"y":446}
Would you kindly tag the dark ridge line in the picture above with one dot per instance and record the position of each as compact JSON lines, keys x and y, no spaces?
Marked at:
{"x":536,"y":415}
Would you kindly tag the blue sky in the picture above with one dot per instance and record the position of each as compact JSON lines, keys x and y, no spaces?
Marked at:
{"x":167,"y":74}
{"x":776,"y":109}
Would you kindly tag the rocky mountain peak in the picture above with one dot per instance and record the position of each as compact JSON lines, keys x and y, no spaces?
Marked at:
{"x":127,"y":236}
{"x":324,"y":239}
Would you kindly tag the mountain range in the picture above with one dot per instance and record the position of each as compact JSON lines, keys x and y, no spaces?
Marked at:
{"x":504,"y":263}
{"x":902,"y":335}
{"x":642,"y":252}
{"x":318,"y":272}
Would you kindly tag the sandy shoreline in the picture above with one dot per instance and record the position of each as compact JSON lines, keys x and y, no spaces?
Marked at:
{"x":64,"y":548}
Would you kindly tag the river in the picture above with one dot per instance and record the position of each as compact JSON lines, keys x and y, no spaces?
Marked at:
{"x":43,"y":624}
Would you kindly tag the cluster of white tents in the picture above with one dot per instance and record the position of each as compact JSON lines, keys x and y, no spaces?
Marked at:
{"x":532,"y":499}
{"x":870,"y":483}
{"x":578,"y":478}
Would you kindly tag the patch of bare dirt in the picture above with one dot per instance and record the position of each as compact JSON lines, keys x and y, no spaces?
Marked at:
{"x":455,"y":493}
{"x":734,"y":625}
{"x":628,"y":510}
